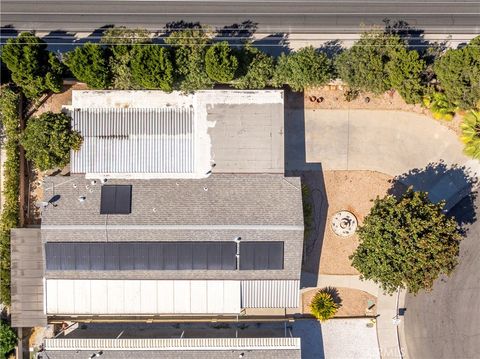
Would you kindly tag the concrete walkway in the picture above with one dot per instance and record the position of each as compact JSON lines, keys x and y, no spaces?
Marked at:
{"x":388,"y":338}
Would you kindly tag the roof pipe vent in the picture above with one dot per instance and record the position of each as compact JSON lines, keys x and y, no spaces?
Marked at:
{"x":82,"y":199}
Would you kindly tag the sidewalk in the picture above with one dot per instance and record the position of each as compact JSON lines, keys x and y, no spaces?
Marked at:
{"x":388,"y":339}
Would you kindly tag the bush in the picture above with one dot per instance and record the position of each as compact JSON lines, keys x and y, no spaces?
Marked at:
{"x":471,"y":134}
{"x":440,"y":107}
{"x":190,"y":47}
{"x":89,"y":64}
{"x":257,"y":69}
{"x":11,"y":185}
{"x":8,"y":339}
{"x":120,"y":41}
{"x":220,"y":62}
{"x":323,"y":307}
{"x":364,"y":66}
{"x":458,"y":72}
{"x":151,"y":67}
{"x":32,"y":67}
{"x":406,"y":243}
{"x":405,"y":70}
{"x":48,"y":140}
{"x":303,"y":68}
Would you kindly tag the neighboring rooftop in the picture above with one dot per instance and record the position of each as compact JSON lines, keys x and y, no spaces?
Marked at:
{"x":151,"y":134}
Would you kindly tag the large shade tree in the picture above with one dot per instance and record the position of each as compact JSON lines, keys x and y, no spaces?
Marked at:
{"x":48,"y":140}
{"x":220,"y":62}
{"x":151,"y":67}
{"x":407,"y":243}
{"x":32,"y":67}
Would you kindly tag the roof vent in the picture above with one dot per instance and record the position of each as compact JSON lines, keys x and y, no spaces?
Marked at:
{"x":82,"y":199}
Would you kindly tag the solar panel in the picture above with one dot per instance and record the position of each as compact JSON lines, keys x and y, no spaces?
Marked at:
{"x":261,"y":255}
{"x":116,"y":199}
{"x":121,"y":256}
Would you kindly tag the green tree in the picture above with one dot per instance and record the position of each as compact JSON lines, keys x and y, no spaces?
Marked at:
{"x":303,"y":68}
{"x":323,"y":307}
{"x":8,"y":339}
{"x":190,"y":46}
{"x":48,"y":140}
{"x":257,"y":69}
{"x":89,"y":64}
{"x":405,"y":70}
{"x":406,"y":243}
{"x":364,"y":66}
{"x":458,"y":71}
{"x":121,"y":40}
{"x":33,"y":68}
{"x":152,"y":68}
{"x":220,"y":62}
{"x":471,"y":133}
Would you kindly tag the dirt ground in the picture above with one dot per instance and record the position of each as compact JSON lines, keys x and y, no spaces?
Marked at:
{"x":352,"y":302}
{"x":345,"y":190}
{"x":55,"y":101}
{"x":334,"y":98}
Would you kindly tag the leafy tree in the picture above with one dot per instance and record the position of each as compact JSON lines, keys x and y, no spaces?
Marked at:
{"x":303,"y":68}
{"x":458,"y":72}
{"x":120,"y":41}
{"x":190,"y":46}
{"x":220,"y":62}
{"x":406,"y":242}
{"x":89,"y":64}
{"x":405,"y":70}
{"x":152,"y":68}
{"x":48,"y":140}
{"x":323,"y":307}
{"x":8,"y":339}
{"x":33,"y":68}
{"x":257,"y":69}
{"x":471,"y":134}
{"x":364,"y":66}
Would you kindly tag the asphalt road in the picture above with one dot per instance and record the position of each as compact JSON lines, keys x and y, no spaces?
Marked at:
{"x":273,"y":16}
{"x":444,"y":323}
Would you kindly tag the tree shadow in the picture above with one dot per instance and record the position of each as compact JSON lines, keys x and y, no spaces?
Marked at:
{"x":95,"y":36}
{"x":237,"y":34}
{"x":415,"y":39}
{"x":180,"y":25}
{"x":7,"y":32}
{"x":274,"y":44}
{"x":454,"y":184}
{"x":332,"y":48}
{"x":333,"y":292}
{"x":60,"y":41}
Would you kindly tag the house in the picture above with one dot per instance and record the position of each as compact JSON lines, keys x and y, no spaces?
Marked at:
{"x":176,"y":206}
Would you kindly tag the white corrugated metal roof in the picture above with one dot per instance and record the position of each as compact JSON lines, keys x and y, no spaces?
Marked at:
{"x":270,"y":293}
{"x":132,"y":141}
{"x":174,"y":344}
{"x":87,"y":297}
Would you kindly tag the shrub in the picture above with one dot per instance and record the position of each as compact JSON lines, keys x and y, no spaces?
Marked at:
{"x":151,"y":67}
{"x":8,"y":339}
{"x":405,"y":70}
{"x":11,"y":185}
{"x":440,"y":107}
{"x":406,"y":243}
{"x":471,"y":133}
{"x":189,"y":46}
{"x":323,"y":307}
{"x":364,"y":66}
{"x":257,"y":69}
{"x":458,"y":72}
{"x":32,"y":67}
{"x":120,"y":41}
{"x":303,"y":68}
{"x":89,"y":64}
{"x":220,"y":62}
{"x":48,"y":140}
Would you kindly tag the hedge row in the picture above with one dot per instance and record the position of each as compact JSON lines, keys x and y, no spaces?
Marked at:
{"x":10,"y":215}
{"x":191,"y":60}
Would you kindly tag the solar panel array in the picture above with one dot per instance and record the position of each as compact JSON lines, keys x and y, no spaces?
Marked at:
{"x":118,"y":256}
{"x":261,"y":255}
{"x":116,"y":199}
{"x":140,"y":256}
